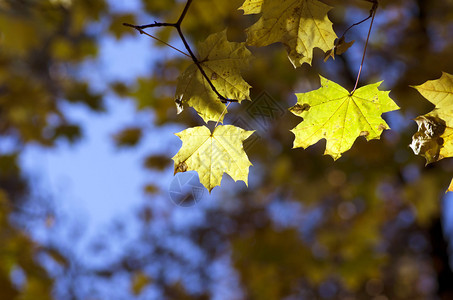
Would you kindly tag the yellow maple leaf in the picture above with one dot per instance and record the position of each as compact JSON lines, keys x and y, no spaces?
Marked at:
{"x":212,"y":154}
{"x":439,"y":92}
{"x":434,"y":138}
{"x":222,"y":62}
{"x":301,"y":25}
{"x":332,"y":113}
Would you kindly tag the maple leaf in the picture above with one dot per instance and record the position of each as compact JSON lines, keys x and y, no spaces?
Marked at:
{"x":340,"y":47}
{"x":301,"y":25}
{"x":330,"y":112}
{"x":222,"y":62}
{"x":434,"y":138}
{"x":212,"y":154}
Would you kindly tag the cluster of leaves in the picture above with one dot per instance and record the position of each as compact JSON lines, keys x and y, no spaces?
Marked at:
{"x":330,"y":113}
{"x":347,"y":246}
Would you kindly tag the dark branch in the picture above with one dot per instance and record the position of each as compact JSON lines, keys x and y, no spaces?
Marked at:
{"x":184,"y":12}
{"x":195,"y":60}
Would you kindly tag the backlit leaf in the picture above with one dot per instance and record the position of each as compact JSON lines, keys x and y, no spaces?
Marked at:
{"x":434,"y":138}
{"x":300,"y":25}
{"x":439,"y":91}
{"x":222,"y":62}
{"x":212,"y":154}
{"x":330,"y":112}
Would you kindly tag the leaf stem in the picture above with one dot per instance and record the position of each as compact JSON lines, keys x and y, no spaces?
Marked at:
{"x":195,"y":60}
{"x":223,"y":113}
{"x":373,"y":14}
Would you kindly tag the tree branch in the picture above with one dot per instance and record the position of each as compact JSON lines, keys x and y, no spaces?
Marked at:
{"x":195,"y":60}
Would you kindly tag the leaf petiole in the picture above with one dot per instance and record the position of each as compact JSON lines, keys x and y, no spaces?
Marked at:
{"x":223,"y":113}
{"x":373,"y":14}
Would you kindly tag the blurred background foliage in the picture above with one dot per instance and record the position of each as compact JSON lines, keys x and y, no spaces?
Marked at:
{"x":368,"y":226}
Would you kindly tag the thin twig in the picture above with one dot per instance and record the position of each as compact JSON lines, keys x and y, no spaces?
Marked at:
{"x":157,"y":39}
{"x":373,"y":10}
{"x":358,"y":23}
{"x":223,"y":112}
{"x":195,"y":60}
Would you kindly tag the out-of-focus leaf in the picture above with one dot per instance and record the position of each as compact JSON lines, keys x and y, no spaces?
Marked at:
{"x":151,"y":189}
{"x":143,"y":93}
{"x":8,"y":165}
{"x":128,"y":137}
{"x":19,"y":35}
{"x":120,"y":88}
{"x":156,"y":7}
{"x":80,"y":92}
{"x":70,"y":132}
{"x":116,"y":25}
{"x":159,"y":162}
{"x":270,"y":262}
{"x":139,"y":281}
{"x":423,"y":197}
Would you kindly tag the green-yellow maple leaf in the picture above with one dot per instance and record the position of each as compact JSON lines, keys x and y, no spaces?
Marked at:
{"x":212,"y":154}
{"x":330,"y":112}
{"x":301,"y":25}
{"x":434,"y":138}
{"x":222,"y":62}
